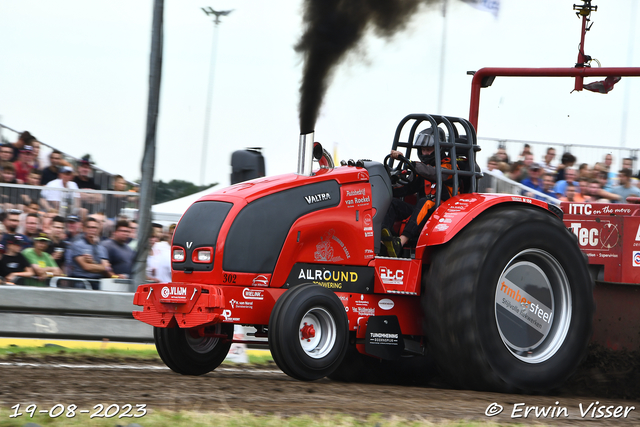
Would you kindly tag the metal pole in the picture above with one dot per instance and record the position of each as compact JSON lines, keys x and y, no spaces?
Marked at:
{"x":443,"y":49}
{"x":149,"y":158}
{"x":207,"y":115}
{"x":627,"y":87}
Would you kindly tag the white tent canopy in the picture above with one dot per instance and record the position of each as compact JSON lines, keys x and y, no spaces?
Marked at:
{"x":172,"y":210}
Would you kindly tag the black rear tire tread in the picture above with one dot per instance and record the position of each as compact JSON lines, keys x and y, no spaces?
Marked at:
{"x":450,"y":300}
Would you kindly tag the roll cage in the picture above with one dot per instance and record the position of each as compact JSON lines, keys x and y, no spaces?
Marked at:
{"x":461,"y":146}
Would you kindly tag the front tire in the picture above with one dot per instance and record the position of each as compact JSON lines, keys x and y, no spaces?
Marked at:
{"x":184,"y":352}
{"x":308,"y":332}
{"x":509,"y":303}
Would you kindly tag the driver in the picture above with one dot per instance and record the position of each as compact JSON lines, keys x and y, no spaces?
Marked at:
{"x":423,"y":186}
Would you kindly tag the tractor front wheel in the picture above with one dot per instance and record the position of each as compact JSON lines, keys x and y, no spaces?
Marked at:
{"x":308,"y":332}
{"x":186,"y":352}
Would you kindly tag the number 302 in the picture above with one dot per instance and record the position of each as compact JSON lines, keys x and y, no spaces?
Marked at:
{"x":229,"y":278}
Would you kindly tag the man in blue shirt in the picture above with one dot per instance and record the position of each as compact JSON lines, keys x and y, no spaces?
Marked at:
{"x":534,"y":179}
{"x":570,"y":176}
{"x":89,"y":260}
{"x":119,"y":253}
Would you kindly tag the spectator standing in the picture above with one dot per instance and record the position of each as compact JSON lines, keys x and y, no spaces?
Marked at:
{"x":584,"y":171}
{"x":6,"y":154}
{"x":625,"y":189}
{"x":501,"y":154}
{"x":527,"y":162}
{"x":89,"y":260}
{"x":120,"y":255}
{"x":133,"y":237}
{"x":74,"y":227}
{"x":84,"y":181}
{"x":11,"y":221}
{"x":515,"y":171}
{"x":50,"y":173}
{"x":116,"y":202}
{"x":13,"y":265}
{"x":627,"y":163}
{"x":31,"y":228}
{"x":611,"y":175}
{"x":9,"y":173}
{"x":583,"y":185}
{"x":9,"y":197}
{"x":570,"y":177}
{"x":567,"y":160}
{"x":526,"y":150}
{"x":25,"y":138}
{"x":493,"y":166}
{"x":548,"y":183}
{"x":603,"y":178}
{"x":36,"y":154}
{"x":62,"y":200}
{"x":24,"y":164}
{"x":572,"y":195}
{"x":58,"y":245}
{"x":158,"y":262}
{"x":595,"y":193}
{"x":41,"y":262}
{"x":547,"y":164}
{"x":533,"y":180}
{"x":32,"y":195}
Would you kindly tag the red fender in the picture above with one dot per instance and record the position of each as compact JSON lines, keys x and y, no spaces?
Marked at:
{"x":454,"y":214}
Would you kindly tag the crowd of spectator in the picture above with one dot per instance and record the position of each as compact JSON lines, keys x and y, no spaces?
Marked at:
{"x":66,"y":238}
{"x":22,"y":163}
{"x":36,"y":248}
{"x":564,"y":180}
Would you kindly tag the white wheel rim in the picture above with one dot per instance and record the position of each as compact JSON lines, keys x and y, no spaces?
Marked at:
{"x":324,"y":338}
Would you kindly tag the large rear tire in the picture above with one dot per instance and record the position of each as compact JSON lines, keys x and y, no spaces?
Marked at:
{"x":509,"y":303}
{"x":188,"y":354}
{"x":308,"y":332}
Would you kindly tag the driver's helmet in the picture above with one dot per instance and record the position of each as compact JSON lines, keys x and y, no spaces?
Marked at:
{"x":425,"y":139}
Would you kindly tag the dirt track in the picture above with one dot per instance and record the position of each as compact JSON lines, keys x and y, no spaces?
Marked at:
{"x":266,"y":390}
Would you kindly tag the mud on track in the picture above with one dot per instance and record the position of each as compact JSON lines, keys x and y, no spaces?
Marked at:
{"x":263,"y":389}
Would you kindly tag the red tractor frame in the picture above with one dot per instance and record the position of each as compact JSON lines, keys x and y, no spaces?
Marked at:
{"x":495,"y":289}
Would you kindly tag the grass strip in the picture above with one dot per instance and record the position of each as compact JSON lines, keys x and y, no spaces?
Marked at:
{"x":228,"y":419}
{"x":148,"y":355}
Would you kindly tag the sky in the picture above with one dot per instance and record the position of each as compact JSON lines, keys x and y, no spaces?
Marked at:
{"x":75,"y":74}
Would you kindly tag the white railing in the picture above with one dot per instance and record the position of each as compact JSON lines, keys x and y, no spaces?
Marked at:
{"x":67,"y":201}
{"x":501,"y":184}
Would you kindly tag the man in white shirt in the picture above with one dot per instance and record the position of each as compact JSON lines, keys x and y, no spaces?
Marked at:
{"x":57,"y":198}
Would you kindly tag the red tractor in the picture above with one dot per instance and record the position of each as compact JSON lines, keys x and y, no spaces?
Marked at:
{"x":495,"y":288}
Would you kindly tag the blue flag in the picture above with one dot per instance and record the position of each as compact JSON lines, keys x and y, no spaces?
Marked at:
{"x":492,"y":6}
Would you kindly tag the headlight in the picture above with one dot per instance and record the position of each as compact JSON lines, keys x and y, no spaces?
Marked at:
{"x":202,"y":255}
{"x":178,"y":255}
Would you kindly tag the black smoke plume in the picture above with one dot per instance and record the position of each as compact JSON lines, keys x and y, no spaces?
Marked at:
{"x":332,"y":28}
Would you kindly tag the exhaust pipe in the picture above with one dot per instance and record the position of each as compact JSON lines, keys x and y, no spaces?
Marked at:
{"x":305,"y":154}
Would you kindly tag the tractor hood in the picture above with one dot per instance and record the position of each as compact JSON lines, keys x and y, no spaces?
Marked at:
{"x":248,"y":222}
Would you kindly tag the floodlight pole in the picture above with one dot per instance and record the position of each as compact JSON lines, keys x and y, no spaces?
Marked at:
{"x":205,"y":139}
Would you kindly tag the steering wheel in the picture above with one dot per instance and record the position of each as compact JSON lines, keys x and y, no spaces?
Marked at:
{"x":403,"y":173}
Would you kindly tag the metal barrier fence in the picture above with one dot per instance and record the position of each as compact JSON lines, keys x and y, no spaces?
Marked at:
{"x":50,"y":313}
{"x":64,"y":201}
{"x":589,"y":154}
{"x":79,"y":314}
